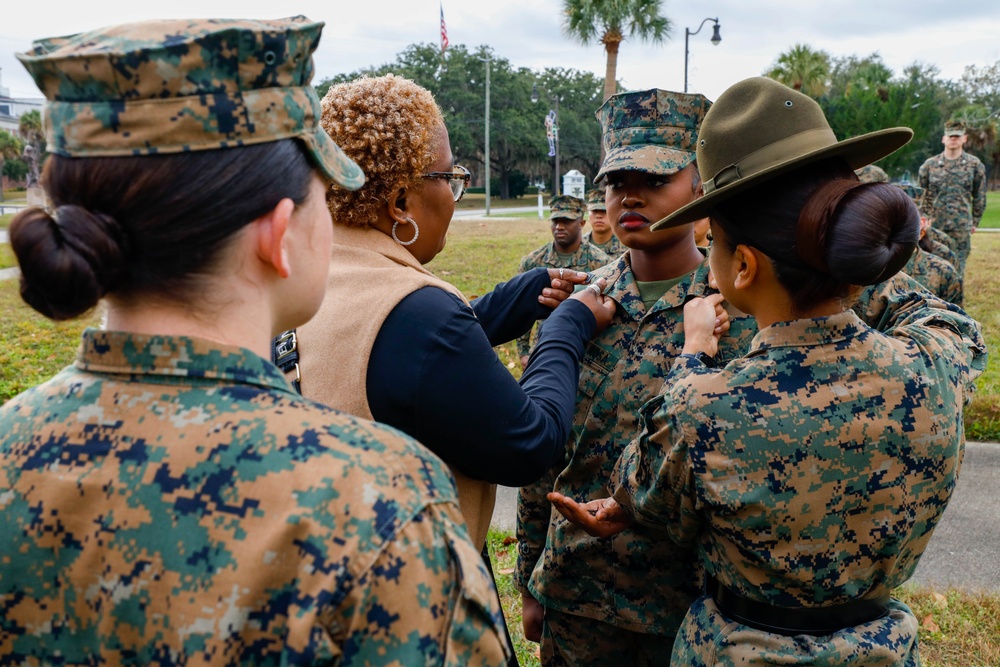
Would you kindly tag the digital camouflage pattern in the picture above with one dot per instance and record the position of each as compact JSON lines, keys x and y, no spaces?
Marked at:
{"x":566,"y":206}
{"x":871,"y":173}
{"x":935,"y":274}
{"x":586,"y":258}
{"x":810,"y":472}
{"x":178,"y":85}
{"x":168,"y":500}
{"x":612,"y":248}
{"x":637,"y":580}
{"x":568,"y":639}
{"x":650,"y":130}
{"x":595,"y":200}
{"x":955,"y":198}
{"x":936,"y":242}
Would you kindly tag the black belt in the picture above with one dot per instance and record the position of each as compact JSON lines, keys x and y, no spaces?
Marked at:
{"x":790,"y":621}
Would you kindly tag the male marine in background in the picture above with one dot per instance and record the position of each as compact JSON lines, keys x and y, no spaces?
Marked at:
{"x":568,"y":250}
{"x":600,"y":233}
{"x":954,"y":184}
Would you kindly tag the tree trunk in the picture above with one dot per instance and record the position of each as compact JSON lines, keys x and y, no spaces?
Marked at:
{"x":611,"y":40}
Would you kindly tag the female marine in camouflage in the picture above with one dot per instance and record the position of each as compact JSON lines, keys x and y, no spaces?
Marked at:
{"x":811,"y":473}
{"x":169,"y":498}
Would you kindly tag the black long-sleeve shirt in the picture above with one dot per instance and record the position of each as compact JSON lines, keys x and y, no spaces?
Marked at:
{"x":433,"y":374}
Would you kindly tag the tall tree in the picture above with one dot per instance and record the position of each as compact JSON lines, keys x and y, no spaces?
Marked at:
{"x":803,"y":69}
{"x":10,"y":149}
{"x":30,"y":129}
{"x":611,"y":22}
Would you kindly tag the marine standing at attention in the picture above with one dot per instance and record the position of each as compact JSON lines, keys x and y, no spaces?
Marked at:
{"x":568,"y":250}
{"x":601,"y":234}
{"x":620,"y":601}
{"x":954,"y":184}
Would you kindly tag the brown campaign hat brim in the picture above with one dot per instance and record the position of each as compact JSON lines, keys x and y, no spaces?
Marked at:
{"x":857,"y":152}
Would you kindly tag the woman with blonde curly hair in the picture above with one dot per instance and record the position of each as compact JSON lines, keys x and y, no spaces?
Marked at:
{"x":395,"y":343}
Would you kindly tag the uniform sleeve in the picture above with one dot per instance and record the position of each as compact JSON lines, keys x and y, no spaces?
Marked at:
{"x":434,"y":375}
{"x":978,"y":193}
{"x":450,"y":615}
{"x":512,"y":307}
{"x":524,"y":339}
{"x":653,"y":478}
{"x":924,"y":181}
{"x":900,"y":307}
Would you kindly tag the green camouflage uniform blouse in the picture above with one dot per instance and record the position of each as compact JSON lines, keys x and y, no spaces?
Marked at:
{"x":810,"y":472}
{"x":613,"y":248}
{"x":936,"y":242}
{"x":937,"y":275}
{"x":586,"y":258}
{"x":637,"y":580}
{"x":171,"y":500}
{"x":955,"y":198}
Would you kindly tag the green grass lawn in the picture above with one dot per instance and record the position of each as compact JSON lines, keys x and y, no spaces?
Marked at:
{"x":991,"y":217}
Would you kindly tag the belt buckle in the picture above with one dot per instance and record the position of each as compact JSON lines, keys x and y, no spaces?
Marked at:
{"x":284,"y":345}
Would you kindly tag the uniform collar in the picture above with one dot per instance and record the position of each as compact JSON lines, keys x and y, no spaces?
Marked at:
{"x":808,"y":332}
{"x":169,"y":358}
{"x":622,"y":287}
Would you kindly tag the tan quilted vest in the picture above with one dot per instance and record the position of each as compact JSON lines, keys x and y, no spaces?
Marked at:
{"x":370,"y":274}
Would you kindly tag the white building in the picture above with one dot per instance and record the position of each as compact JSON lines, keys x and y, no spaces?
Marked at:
{"x":12,"y":108}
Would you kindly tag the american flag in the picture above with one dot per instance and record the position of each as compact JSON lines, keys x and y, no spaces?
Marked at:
{"x":444,"y":31}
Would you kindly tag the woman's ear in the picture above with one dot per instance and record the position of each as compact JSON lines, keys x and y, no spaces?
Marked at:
{"x":397,"y":205}
{"x":271,"y":240}
{"x":747,"y":266}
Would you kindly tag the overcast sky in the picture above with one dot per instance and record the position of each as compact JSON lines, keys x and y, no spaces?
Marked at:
{"x":949,"y":35}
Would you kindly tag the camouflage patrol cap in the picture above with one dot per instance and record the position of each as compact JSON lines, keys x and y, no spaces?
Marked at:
{"x":954,"y":128}
{"x":872,"y":174}
{"x":179,"y":85}
{"x":566,"y":206}
{"x":914,"y":191}
{"x":595,"y":200}
{"x":655,"y":131}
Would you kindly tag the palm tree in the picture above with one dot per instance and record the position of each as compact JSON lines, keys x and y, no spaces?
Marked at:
{"x":611,"y":22}
{"x":10,"y":148}
{"x":803,"y":69}
{"x":31,"y":131}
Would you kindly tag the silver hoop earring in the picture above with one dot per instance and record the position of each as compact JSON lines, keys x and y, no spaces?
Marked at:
{"x":416,"y":232}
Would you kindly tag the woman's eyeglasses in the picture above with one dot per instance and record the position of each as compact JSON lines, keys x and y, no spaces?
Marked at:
{"x":458,"y":179}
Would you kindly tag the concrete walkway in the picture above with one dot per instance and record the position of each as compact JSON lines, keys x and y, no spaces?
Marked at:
{"x":963,"y":550}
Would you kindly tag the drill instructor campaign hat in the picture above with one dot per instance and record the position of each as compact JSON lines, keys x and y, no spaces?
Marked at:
{"x":758,"y":130}
{"x":179,"y":85}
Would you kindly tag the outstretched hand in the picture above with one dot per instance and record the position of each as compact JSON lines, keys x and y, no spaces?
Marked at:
{"x":598,"y":518}
{"x":561,"y":285}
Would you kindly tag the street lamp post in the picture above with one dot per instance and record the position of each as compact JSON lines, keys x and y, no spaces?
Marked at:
{"x":486,"y":152}
{"x":556,"y":190}
{"x":716,"y":38}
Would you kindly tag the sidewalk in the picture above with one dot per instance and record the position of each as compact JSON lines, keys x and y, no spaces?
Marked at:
{"x":963,"y":550}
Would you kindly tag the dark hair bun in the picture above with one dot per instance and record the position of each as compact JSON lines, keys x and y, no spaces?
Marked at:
{"x":68,"y":261}
{"x":860,"y":233}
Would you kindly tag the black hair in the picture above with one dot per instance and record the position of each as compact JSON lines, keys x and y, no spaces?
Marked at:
{"x":824,"y":231}
{"x":146,"y":226}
